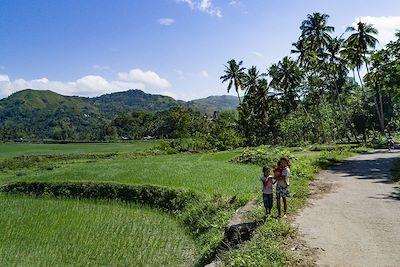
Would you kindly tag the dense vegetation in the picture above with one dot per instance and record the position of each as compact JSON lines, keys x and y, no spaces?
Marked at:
{"x":202,"y":190}
{"x":312,"y":97}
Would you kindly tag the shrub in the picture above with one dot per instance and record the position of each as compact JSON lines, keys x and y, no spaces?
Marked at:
{"x":262,"y":155}
{"x":183,"y":145}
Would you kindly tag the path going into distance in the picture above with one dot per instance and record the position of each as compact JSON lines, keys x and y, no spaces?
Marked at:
{"x":356,"y":222}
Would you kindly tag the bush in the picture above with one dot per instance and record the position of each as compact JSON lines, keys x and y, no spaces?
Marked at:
{"x":262,"y":155}
{"x":183,"y":145}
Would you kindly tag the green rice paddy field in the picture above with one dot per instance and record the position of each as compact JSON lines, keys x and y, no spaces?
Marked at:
{"x":45,"y":231}
{"x":9,"y":150}
{"x":209,"y":173}
{"x":37,"y":231}
{"x":54,"y":232}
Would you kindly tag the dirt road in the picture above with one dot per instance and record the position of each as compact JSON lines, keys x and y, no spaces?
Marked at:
{"x":357,"y":222}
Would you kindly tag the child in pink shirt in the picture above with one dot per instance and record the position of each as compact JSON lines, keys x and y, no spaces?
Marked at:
{"x":267,"y":181}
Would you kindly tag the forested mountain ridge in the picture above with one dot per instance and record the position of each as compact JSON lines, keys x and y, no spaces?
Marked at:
{"x":46,"y":114}
{"x":213,"y":103}
{"x":131,"y":100}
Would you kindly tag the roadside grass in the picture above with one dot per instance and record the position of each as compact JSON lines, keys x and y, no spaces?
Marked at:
{"x":60,"y":232}
{"x":268,"y":244}
{"x":10,"y":150}
{"x":396,"y":171}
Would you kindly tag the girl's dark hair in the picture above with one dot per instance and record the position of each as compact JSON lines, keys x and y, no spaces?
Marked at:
{"x":285,"y":159}
{"x":265,"y":168}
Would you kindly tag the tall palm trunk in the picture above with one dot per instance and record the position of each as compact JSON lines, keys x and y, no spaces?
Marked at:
{"x":377,"y":98}
{"x":379,"y":108}
{"x":237,"y":91}
{"x":345,"y":119}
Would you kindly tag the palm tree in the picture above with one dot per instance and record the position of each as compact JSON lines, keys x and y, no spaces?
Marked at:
{"x":302,"y":48}
{"x":362,"y":41}
{"x":316,"y":31}
{"x":234,"y":73}
{"x":250,"y":80}
{"x":336,"y":68}
{"x":286,"y":78}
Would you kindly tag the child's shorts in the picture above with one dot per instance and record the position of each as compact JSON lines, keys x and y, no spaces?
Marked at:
{"x":282,"y":190}
{"x":268,"y":201}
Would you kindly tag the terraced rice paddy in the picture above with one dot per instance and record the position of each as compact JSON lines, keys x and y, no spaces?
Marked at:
{"x":54,"y":232}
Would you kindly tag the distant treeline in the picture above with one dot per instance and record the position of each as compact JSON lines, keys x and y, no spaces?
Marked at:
{"x":320,"y":95}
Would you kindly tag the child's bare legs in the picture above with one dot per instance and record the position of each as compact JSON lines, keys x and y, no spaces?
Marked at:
{"x":284,"y":206}
{"x":278,"y":204}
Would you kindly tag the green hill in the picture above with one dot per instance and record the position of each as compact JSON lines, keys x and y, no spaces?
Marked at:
{"x":45,"y":114}
{"x":214,"y":103}
{"x":117,"y":103}
{"x":39,"y":114}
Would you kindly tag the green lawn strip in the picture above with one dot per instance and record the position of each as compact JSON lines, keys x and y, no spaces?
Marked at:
{"x":10,"y":150}
{"x":60,"y":232}
{"x":267,"y":247}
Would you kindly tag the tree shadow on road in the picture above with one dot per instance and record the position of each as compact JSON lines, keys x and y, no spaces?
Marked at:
{"x":377,"y":170}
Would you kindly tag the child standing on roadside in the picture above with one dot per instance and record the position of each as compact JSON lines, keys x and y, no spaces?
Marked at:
{"x":282,"y":184}
{"x":267,"y":181}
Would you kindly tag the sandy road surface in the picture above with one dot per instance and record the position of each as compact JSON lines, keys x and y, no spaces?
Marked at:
{"x":357,"y":223}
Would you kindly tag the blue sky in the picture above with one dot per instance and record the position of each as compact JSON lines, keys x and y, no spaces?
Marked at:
{"x":170,"y":47}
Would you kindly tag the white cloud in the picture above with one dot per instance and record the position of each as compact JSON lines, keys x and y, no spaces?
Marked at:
{"x":147,"y":77}
{"x":4,"y":78}
{"x":166,"y":21}
{"x":204,"y":74}
{"x":171,"y":94}
{"x":258,"y":54}
{"x":206,"y":6}
{"x":386,"y":26}
{"x":235,"y":3}
{"x":42,"y":80}
{"x":90,"y":85}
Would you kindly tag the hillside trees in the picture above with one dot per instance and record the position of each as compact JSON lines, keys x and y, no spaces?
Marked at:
{"x":312,"y":98}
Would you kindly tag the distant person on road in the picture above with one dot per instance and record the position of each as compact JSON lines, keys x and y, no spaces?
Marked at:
{"x":390,"y":142}
{"x":282,"y":184}
{"x":267,"y":196}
